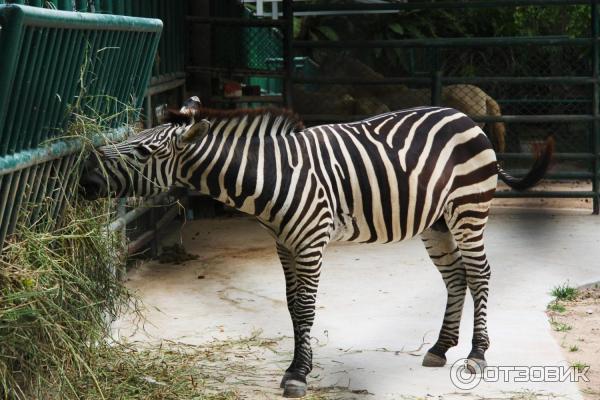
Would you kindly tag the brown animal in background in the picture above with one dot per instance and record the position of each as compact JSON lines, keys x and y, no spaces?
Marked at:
{"x":469,"y":99}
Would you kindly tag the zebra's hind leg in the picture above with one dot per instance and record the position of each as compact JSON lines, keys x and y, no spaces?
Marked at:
{"x":446,"y":256}
{"x":302,"y":296}
{"x":467,"y":224}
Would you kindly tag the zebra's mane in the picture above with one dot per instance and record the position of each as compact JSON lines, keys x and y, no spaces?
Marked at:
{"x":178,"y":117}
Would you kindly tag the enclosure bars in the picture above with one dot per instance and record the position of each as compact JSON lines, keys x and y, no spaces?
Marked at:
{"x":33,"y":43}
{"x":596,"y":105}
{"x":436,"y":81}
{"x":169,"y":72}
{"x":246,"y":72}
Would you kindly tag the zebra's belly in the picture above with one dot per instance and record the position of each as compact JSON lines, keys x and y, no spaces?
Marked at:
{"x":357,"y":229}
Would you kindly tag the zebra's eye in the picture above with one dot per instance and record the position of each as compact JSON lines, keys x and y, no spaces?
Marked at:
{"x":143,"y":151}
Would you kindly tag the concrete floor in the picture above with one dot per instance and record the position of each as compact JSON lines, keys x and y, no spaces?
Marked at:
{"x":377,"y":304}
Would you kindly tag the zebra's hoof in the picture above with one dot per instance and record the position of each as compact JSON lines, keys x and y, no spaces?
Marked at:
{"x":294,"y":388}
{"x":433,"y":360}
{"x":286,"y":377}
{"x":476,"y":365}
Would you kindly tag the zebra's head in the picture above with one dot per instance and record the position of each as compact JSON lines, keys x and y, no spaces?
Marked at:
{"x":145,"y":163}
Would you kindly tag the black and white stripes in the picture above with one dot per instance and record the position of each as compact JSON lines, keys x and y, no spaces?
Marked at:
{"x":426,"y":171}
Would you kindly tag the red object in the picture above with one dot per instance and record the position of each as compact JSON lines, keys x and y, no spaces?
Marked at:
{"x":232,"y":89}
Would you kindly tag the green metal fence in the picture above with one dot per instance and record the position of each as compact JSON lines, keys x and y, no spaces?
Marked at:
{"x":543,"y":84}
{"x":169,"y":62}
{"x":50,"y":61}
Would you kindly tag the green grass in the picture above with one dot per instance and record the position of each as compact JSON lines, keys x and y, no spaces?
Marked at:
{"x":573,"y":348}
{"x":557,"y":307}
{"x":564,"y":292}
{"x":579,"y":366}
{"x":560,"y":327}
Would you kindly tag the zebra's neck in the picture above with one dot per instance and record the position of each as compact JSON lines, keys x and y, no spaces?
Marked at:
{"x":241,"y":163}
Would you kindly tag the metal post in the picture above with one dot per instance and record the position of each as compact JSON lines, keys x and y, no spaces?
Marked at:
{"x":148,"y":112}
{"x":436,"y":88}
{"x":288,"y":54}
{"x":596,"y":107}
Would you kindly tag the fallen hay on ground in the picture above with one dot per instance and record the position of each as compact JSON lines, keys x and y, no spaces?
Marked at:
{"x":58,"y":294}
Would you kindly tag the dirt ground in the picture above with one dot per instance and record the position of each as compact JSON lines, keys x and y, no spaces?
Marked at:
{"x":577,"y":329}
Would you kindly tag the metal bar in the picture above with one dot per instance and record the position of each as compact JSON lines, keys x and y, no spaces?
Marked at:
{"x":279,"y":23}
{"x":436,"y":88}
{"x":288,"y":51}
{"x":41,"y":192}
{"x":82,"y":5}
{"x":165,"y":86}
{"x":147,"y":71}
{"x":556,"y":156}
{"x":49,"y":87}
{"x":396,"y":6}
{"x":31,"y":88}
{"x":38,"y":91}
{"x":148,"y":236}
{"x":446,"y":42}
{"x":44,"y":17}
{"x":359,"y":81}
{"x":596,"y":105}
{"x":535,"y":118}
{"x":6,"y":199}
{"x":19,"y":94}
{"x":10,"y":46}
{"x":517,"y":80}
{"x":157,"y":80}
{"x":28,"y":158}
{"x":132,"y":215}
{"x":148,"y":122}
{"x":476,"y":118}
{"x":248,"y":99}
{"x":5,"y":185}
{"x":568,"y":175}
{"x":234,"y":71}
{"x":66,"y":87}
{"x":136,"y":245}
{"x":65,"y":5}
{"x":546,"y":193}
{"x":542,"y":80}
{"x":18,"y":200}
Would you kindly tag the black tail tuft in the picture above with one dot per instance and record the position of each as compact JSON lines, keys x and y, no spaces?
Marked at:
{"x":537,"y":171}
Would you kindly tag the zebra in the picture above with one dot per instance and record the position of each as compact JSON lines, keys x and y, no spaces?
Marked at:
{"x":428,"y":171}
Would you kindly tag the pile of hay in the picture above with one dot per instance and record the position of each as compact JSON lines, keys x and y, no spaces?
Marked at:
{"x":58,"y":291}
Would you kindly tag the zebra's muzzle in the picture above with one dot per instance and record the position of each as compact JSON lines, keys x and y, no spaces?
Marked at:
{"x":92,"y":183}
{"x":92,"y":186}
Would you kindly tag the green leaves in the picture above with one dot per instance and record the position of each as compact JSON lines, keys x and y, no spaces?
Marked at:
{"x":396,"y":28}
{"x":327,"y":32}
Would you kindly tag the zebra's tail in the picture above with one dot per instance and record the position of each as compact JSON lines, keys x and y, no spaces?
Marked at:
{"x":537,"y":171}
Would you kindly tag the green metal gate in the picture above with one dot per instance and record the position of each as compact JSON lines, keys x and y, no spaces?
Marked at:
{"x":50,"y":61}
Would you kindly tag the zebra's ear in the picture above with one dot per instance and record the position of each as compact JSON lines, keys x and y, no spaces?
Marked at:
{"x":196,"y":132}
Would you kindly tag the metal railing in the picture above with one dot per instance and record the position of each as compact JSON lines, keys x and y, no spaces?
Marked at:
{"x":579,"y":124}
{"x":50,"y":61}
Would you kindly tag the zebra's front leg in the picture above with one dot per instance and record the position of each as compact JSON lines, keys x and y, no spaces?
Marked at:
{"x":446,"y":256}
{"x":289,"y":270}
{"x":307,"y":267}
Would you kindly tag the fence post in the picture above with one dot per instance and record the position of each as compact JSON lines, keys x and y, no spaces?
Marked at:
{"x":288,"y":62}
{"x":436,"y":88}
{"x":596,"y":107}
